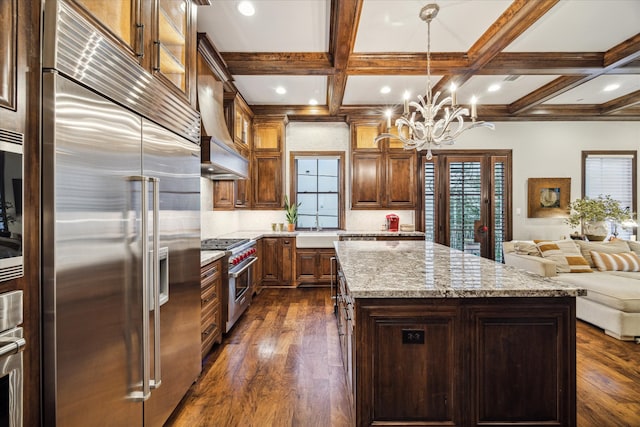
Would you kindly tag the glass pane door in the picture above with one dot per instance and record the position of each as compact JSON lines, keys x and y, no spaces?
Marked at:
{"x":465,"y":202}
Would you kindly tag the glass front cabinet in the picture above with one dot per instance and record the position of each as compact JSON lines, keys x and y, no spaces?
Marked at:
{"x":158,"y":34}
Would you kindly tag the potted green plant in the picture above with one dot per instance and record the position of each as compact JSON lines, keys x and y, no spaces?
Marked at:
{"x":291,"y":212}
{"x":591,"y":215}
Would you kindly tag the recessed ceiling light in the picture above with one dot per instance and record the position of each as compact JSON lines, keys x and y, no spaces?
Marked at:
{"x":385,"y":89}
{"x":313,"y":102}
{"x":280,"y":90}
{"x":611,"y":87}
{"x":246,"y":8}
{"x":494,"y":87}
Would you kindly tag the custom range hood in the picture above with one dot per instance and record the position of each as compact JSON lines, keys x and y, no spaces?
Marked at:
{"x":219,"y":159}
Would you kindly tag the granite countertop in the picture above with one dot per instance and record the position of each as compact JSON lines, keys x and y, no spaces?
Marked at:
{"x":256,"y":234}
{"x":418,"y":269}
{"x":209,"y":256}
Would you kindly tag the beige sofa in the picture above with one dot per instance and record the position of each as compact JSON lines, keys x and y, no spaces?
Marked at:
{"x":613,"y":297}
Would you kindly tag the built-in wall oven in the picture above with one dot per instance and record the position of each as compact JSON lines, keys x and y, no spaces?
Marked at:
{"x":12,"y":344}
{"x":240,"y":260}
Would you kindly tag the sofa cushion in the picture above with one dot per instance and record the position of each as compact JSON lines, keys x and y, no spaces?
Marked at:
{"x":566,"y":256}
{"x":634,"y":246}
{"x":613,"y":247}
{"x":524,"y":247}
{"x":623,"y":261}
{"x":609,"y":289}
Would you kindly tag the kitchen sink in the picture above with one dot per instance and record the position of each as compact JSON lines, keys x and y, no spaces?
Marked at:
{"x":316,"y":239}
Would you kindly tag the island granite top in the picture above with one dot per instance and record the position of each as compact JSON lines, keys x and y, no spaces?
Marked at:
{"x":419,"y":269}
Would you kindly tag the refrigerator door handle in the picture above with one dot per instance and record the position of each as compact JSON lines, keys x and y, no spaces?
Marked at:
{"x":146,"y":381}
{"x":157,"y":380}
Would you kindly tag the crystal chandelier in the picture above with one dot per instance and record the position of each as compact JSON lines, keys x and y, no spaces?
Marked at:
{"x":428,"y":130}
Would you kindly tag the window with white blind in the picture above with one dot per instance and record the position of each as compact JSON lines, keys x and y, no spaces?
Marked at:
{"x":611,"y":173}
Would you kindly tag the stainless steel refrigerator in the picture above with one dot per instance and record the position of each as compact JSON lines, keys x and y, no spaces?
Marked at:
{"x":120,"y":249}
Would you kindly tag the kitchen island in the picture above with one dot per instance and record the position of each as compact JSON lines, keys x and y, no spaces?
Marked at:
{"x":433,"y":336}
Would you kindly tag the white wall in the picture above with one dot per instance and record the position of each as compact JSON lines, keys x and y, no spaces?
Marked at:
{"x":540,"y":150}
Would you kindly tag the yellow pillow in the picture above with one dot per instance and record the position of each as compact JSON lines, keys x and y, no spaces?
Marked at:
{"x":624,"y":261}
{"x":566,"y":256}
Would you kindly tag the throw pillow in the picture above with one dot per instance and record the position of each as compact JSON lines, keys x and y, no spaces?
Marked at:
{"x":625,"y":261}
{"x":614,"y":247}
{"x":523,"y":247}
{"x":634,"y":246}
{"x":566,"y":256}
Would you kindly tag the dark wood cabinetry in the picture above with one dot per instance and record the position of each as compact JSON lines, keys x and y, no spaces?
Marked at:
{"x":267,"y":180}
{"x":382,"y":175}
{"x":278,"y":261}
{"x":460,"y":362}
{"x":313,"y":266}
{"x":267,"y":166}
{"x":211,"y":317}
{"x":159,"y":34}
{"x":223,"y":195}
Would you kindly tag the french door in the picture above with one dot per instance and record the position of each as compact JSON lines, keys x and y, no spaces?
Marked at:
{"x":467,"y":200}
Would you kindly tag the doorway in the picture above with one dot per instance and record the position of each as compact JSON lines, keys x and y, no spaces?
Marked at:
{"x":467,"y":200}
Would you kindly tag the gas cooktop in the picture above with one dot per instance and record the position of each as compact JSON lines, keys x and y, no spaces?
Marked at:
{"x":221,"y":244}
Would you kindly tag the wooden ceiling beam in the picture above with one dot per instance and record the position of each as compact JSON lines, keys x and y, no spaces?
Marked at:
{"x":345,"y":17}
{"x":287,"y":63}
{"x":618,"y":56}
{"x":630,"y":100}
{"x":518,"y":17}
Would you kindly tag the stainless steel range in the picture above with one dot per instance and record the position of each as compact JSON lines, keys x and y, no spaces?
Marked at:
{"x":239,"y":261}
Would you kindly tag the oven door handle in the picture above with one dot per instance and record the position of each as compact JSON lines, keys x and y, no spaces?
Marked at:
{"x":11,"y":346}
{"x":235,"y":274}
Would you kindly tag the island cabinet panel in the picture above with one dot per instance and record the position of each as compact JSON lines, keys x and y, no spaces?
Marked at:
{"x":462,"y":361}
{"x":407,"y":365}
{"x":523,"y":370}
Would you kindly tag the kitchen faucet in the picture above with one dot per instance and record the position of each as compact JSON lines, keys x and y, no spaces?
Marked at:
{"x":318,"y":228}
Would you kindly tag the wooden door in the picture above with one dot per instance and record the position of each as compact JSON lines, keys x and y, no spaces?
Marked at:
{"x":306,"y":265}
{"x":271,"y":259}
{"x":223,"y":192}
{"x":401,"y":187}
{"x":325,"y":270}
{"x":288,"y":260}
{"x":366,"y":180}
{"x":266,"y":179}
{"x":119,"y":21}
{"x":468,"y":201}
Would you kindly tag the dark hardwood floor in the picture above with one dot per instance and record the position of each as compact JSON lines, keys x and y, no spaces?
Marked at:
{"x":281,"y":366}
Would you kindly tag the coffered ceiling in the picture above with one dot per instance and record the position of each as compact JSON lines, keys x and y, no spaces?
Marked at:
{"x":546,"y":59}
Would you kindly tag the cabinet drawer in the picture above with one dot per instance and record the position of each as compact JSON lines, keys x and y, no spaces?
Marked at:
{"x":209,"y":335}
{"x":209,"y":273}
{"x":207,"y":315}
{"x":210,"y":294}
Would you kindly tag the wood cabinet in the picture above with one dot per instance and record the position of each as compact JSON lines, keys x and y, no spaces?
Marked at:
{"x":462,"y":362}
{"x":210,"y":300}
{"x":159,"y":34}
{"x":267,"y":165}
{"x":367,"y":176}
{"x":223,"y":195}
{"x":278,"y":261}
{"x":382,"y":175}
{"x":313,"y":266}
{"x":239,"y":118}
{"x":267,"y":180}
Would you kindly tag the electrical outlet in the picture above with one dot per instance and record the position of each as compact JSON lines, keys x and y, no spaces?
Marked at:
{"x":412,"y":336}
